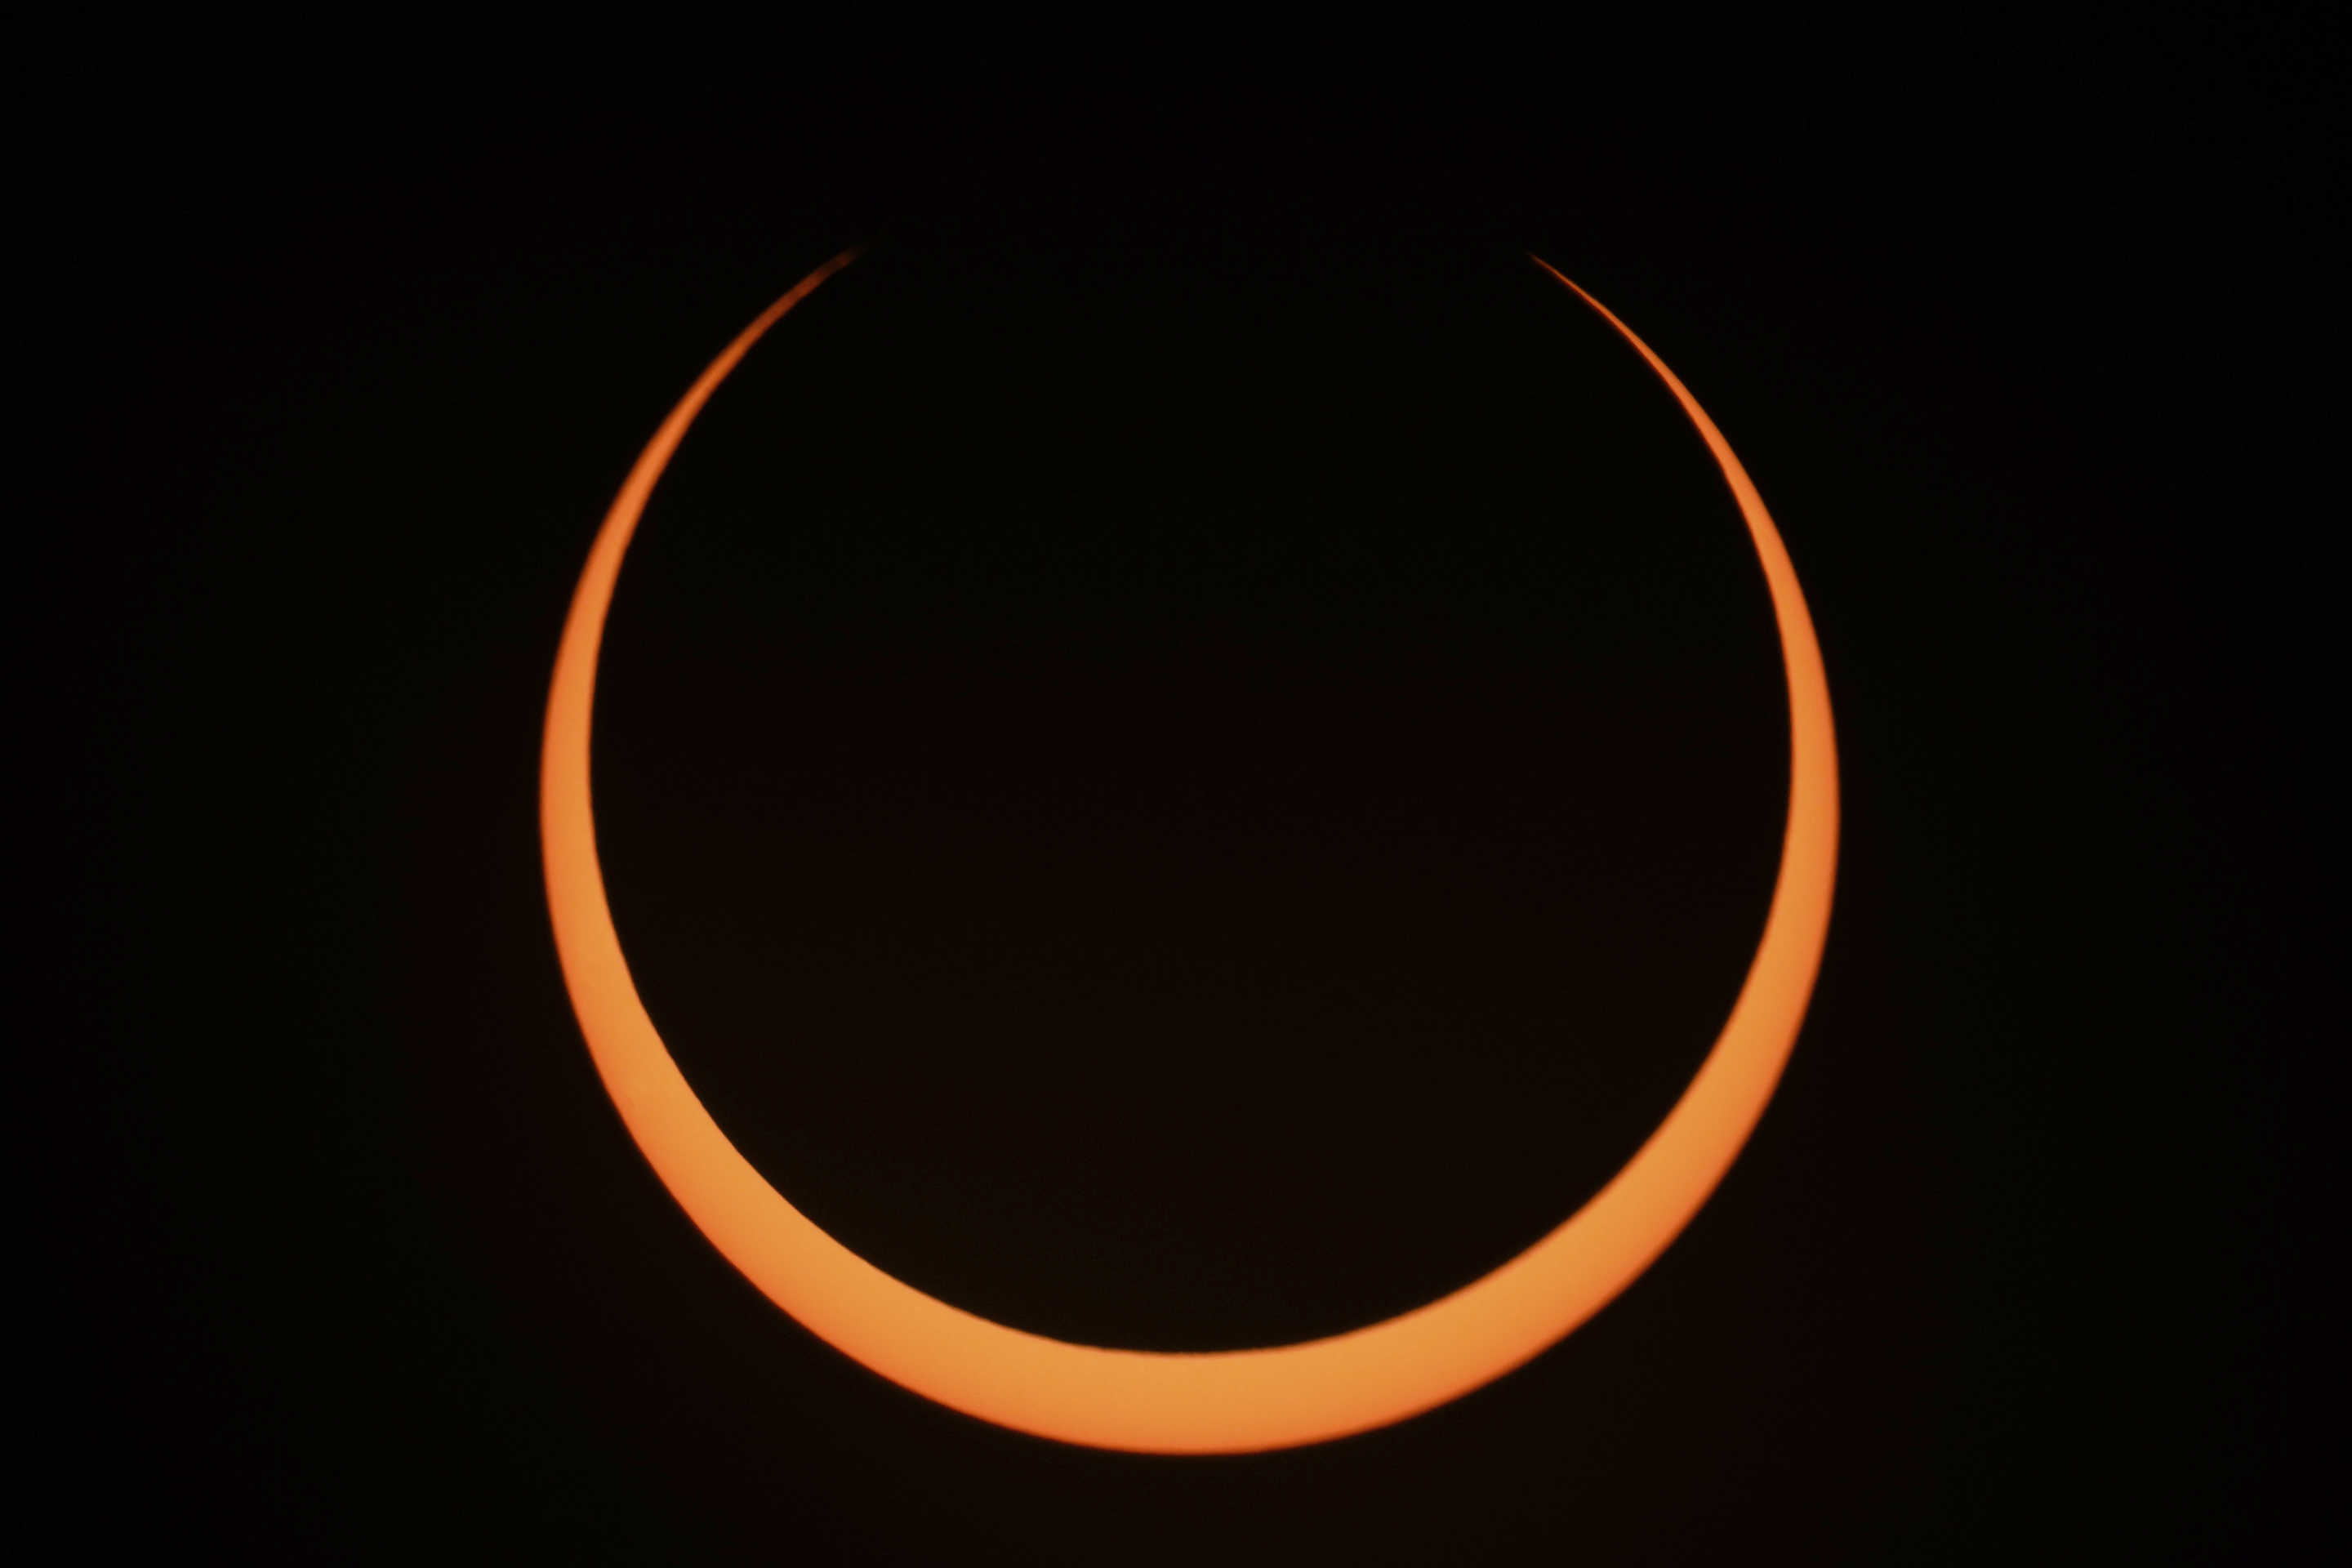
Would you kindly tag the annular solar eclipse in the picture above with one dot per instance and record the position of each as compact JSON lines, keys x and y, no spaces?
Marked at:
{"x":1199,"y":1403}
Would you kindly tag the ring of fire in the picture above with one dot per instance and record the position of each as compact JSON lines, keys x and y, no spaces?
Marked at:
{"x":1151,"y":1402}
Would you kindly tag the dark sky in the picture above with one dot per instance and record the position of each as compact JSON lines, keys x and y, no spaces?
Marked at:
{"x":1190,"y":756}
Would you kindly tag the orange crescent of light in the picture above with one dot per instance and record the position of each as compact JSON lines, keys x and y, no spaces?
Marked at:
{"x":1222,"y":1402}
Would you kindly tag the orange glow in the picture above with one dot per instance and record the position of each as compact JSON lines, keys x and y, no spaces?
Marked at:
{"x":1221,"y":1401}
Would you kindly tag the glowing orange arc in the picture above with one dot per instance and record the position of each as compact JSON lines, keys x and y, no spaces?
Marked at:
{"x":1222,"y":1402}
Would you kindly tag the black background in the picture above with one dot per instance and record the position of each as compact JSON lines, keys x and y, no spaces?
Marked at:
{"x":1189,"y":755}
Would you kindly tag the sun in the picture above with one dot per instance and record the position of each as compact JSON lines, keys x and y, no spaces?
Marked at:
{"x":1152,"y":1402}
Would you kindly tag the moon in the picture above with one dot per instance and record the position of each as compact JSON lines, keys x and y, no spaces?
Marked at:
{"x":1227,"y":1402}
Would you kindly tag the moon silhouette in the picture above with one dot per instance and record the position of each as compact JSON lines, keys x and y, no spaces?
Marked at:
{"x":1224,"y":1402}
